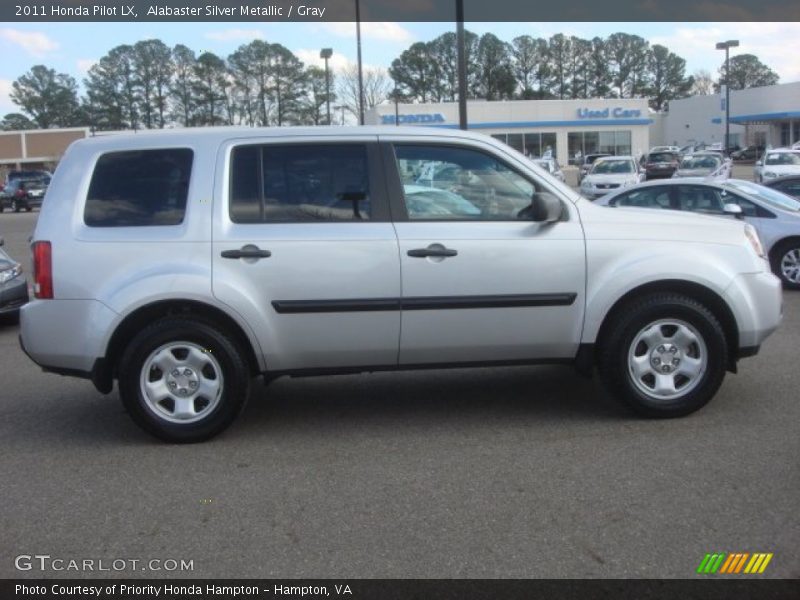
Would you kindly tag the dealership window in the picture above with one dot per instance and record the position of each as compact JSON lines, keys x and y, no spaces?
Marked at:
{"x":530,"y":144}
{"x":593,"y":142}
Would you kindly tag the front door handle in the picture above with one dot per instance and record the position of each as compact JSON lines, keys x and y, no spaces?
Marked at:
{"x":432,"y":250}
{"x":248,"y":251}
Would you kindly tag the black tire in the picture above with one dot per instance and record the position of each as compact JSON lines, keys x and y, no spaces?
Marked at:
{"x":779,"y":251}
{"x":620,"y":334}
{"x":228,"y":356}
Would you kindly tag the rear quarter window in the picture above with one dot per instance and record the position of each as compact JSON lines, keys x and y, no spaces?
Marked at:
{"x":139,"y":188}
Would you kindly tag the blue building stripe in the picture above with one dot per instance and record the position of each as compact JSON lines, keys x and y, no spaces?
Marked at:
{"x":520,"y":124}
{"x":766,"y":116}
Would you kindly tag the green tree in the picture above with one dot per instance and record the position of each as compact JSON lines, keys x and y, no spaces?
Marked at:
{"x":112,"y":90}
{"x":748,"y":71}
{"x":668,"y":77}
{"x":210,"y":90}
{"x":16,"y":122}
{"x":183,"y":84}
{"x":627,"y":55}
{"x":496,"y":75}
{"x":152,"y":61}
{"x":50,"y":99}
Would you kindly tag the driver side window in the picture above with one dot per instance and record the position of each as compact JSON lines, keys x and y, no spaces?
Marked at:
{"x":451,"y":183}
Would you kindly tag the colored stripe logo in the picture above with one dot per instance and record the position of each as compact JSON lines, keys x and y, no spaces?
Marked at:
{"x":734,"y":563}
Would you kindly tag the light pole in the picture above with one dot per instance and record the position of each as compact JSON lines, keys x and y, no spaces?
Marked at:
{"x":462,"y":65}
{"x":326,"y":53}
{"x":360,"y":74}
{"x":396,"y":98}
{"x":727,"y":46}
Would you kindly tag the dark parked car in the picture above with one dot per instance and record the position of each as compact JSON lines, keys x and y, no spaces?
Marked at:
{"x":789,"y":185}
{"x":661,"y":164}
{"x":13,"y":286}
{"x":748,"y":153}
{"x":23,"y":194}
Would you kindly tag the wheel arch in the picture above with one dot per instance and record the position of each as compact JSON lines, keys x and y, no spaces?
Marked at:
{"x":706,"y":296}
{"x":144,"y":315}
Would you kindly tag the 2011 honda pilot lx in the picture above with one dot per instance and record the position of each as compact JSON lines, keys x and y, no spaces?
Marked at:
{"x":184,"y":263}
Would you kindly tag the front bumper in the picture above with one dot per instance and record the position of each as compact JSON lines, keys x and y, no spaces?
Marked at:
{"x":757,"y":303}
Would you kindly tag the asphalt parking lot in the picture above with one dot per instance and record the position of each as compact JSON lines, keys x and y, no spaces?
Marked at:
{"x":502,"y":472}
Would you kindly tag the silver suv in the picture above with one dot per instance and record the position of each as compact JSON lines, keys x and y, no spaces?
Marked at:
{"x":182,"y":264}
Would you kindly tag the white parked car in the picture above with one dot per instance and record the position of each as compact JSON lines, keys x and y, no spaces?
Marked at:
{"x":777,"y":163}
{"x":183,"y":264}
{"x":699,"y":164}
{"x":674,"y":149}
{"x":610,"y":173}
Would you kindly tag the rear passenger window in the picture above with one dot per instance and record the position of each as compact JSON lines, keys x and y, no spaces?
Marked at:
{"x":297,"y":183}
{"x":139,"y":188}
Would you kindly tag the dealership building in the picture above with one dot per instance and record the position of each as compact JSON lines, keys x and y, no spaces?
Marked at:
{"x":566,"y":127}
{"x":764,"y":116}
{"x":36,"y":148}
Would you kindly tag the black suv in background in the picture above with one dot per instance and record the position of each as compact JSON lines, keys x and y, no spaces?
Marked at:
{"x":23,"y":194}
{"x":661,"y":164}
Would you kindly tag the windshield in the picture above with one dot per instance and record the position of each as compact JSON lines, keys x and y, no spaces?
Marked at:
{"x":605,"y":167}
{"x":768,"y":195}
{"x":701,"y":162}
{"x":783,"y":158}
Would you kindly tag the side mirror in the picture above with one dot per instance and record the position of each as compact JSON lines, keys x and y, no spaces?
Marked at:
{"x":544,"y":208}
{"x":758,"y":163}
{"x":733,"y":209}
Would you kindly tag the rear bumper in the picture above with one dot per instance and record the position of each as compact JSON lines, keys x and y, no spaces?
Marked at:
{"x":66,"y":335}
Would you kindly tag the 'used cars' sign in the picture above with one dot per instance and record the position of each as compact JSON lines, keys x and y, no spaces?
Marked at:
{"x":617,"y":113}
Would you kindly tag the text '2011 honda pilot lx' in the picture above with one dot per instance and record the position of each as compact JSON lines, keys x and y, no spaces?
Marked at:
{"x":184,"y":263}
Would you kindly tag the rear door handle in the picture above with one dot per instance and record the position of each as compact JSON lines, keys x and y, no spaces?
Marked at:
{"x":433,"y":250}
{"x":248,"y":251}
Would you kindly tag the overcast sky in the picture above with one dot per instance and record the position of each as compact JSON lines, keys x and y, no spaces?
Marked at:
{"x":73,"y":47}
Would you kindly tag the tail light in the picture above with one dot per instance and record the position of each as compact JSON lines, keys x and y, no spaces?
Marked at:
{"x":42,"y":270}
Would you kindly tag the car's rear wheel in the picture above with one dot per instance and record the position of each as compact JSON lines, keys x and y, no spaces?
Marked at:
{"x":664,"y":355}
{"x":183,"y":380}
{"x":785,"y":261}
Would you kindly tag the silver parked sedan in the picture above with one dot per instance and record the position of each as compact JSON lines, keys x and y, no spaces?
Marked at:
{"x":775,"y":215}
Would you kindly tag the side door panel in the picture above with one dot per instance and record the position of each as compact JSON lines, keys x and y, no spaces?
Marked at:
{"x":514,"y":290}
{"x":309,"y":300}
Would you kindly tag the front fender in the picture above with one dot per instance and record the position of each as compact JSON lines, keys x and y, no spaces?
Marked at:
{"x":616,"y":268}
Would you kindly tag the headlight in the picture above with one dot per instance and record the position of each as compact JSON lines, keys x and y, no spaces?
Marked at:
{"x":586,"y":183}
{"x":10,"y":274}
{"x":770,"y":174}
{"x":752,"y":236}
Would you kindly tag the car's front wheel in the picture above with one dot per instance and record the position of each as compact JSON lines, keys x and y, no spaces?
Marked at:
{"x":665,"y":355}
{"x":183,"y":380}
{"x":785,"y":261}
